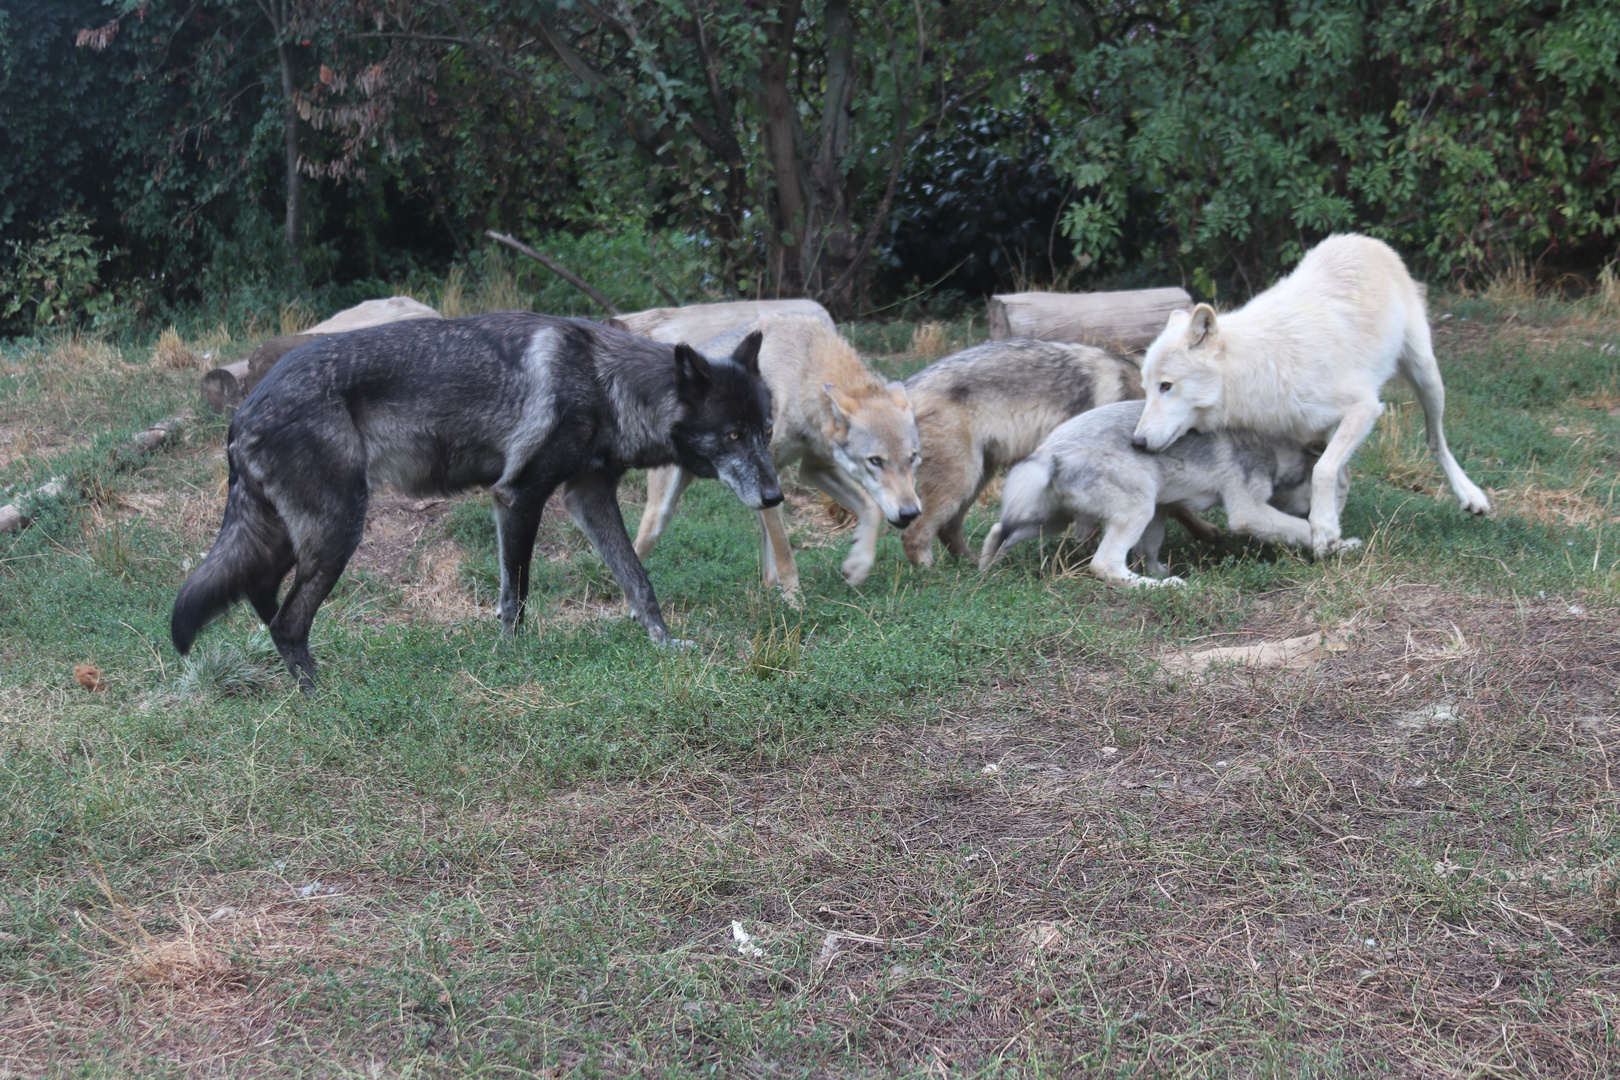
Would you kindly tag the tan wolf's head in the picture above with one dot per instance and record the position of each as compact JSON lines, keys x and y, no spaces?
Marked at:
{"x":1181,"y":377}
{"x":875,"y":442}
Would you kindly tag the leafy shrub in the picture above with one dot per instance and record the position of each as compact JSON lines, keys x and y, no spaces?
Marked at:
{"x":55,"y":280}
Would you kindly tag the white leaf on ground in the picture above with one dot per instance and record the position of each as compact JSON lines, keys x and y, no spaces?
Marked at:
{"x":744,"y":940}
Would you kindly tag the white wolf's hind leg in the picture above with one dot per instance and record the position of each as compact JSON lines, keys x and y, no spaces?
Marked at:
{"x":1421,"y":370}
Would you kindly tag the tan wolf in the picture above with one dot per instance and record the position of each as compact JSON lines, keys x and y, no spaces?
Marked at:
{"x":853,"y":437}
{"x":1305,"y":360}
{"x":988,"y":407}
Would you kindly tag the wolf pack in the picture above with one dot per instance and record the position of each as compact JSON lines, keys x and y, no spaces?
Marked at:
{"x":1257,"y":410}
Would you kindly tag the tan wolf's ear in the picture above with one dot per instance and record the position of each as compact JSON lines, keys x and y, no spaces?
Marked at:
{"x":840,"y":409}
{"x":1202,"y":325}
{"x":898,"y":395}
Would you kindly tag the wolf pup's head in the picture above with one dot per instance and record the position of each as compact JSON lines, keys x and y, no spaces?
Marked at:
{"x":875,"y":442}
{"x":1181,"y":376}
{"x":725,"y":425}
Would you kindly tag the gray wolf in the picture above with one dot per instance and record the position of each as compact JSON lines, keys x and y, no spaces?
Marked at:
{"x":984,"y":408}
{"x":1087,"y":472}
{"x":514,"y":402}
{"x":1305,"y":360}
{"x":852,"y":436}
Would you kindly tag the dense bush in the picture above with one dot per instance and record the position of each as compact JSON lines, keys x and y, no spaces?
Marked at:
{"x":857,"y":150}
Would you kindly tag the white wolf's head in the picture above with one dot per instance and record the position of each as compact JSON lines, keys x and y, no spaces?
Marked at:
{"x":1182,"y":378}
{"x":875,"y":442}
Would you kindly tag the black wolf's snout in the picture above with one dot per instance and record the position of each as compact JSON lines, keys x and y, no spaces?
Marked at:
{"x":770,"y":496}
{"x":1139,"y":441}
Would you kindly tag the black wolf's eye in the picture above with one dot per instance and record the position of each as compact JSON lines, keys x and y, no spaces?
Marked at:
{"x":735,"y":435}
{"x":1164,"y":388}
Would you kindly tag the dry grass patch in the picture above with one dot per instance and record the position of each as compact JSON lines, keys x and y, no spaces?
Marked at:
{"x":929,"y":340}
{"x":171,"y":352}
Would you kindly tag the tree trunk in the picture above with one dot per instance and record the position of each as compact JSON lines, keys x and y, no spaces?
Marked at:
{"x":295,"y":224}
{"x":781,"y":145}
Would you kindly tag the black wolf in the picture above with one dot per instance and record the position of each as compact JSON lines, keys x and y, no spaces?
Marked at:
{"x":515,"y":402}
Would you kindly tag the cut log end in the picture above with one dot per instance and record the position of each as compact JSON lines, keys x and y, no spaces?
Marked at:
{"x":1121,"y":321}
{"x":225,"y":387}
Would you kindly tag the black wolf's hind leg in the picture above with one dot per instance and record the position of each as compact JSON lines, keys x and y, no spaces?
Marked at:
{"x":327,"y":549}
{"x":263,"y":597}
{"x":592,"y":500}
{"x":517,"y":521}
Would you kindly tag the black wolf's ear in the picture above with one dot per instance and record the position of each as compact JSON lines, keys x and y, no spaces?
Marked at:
{"x":691,"y":369}
{"x":746,"y":355}
{"x":1201,"y":326}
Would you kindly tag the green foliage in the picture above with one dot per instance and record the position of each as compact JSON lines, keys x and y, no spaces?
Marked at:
{"x":54,"y":280}
{"x":1459,"y":131}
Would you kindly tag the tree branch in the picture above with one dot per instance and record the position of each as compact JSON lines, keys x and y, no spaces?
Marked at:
{"x":557,"y":268}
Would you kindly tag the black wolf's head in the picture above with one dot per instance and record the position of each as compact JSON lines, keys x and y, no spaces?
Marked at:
{"x":725,"y":425}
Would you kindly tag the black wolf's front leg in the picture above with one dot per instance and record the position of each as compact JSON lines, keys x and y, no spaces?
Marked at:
{"x":593,"y":501}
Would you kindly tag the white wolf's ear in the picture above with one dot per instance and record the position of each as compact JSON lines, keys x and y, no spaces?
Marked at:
{"x":898,"y":395}
{"x":840,"y":411}
{"x":1201,"y":326}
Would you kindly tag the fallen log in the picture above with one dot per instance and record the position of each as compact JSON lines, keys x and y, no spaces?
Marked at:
{"x":697,"y":323}
{"x":225,"y":387}
{"x":144,"y":442}
{"x":1122,"y":321}
{"x":13,"y":516}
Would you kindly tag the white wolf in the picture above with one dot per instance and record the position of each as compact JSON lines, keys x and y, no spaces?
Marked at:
{"x":1305,"y":360}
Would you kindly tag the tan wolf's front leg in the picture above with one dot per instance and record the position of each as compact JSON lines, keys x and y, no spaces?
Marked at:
{"x":665,"y":487}
{"x":780,"y":567}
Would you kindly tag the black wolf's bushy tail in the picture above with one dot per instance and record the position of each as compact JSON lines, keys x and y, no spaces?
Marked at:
{"x":245,"y":559}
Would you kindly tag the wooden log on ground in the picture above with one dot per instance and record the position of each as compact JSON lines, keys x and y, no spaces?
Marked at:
{"x":144,"y":442}
{"x":225,"y":387}
{"x":374,"y":313}
{"x":1122,"y":321}
{"x":12,"y":515}
{"x":264,"y":357}
{"x":697,"y":323}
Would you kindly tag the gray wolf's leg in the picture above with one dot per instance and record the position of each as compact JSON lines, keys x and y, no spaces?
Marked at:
{"x":946,"y":488}
{"x":517,"y":520}
{"x":1120,"y":534}
{"x":1421,"y":370}
{"x":664,"y":489}
{"x":1249,"y":512}
{"x":1354,"y":426}
{"x":1150,"y":543}
{"x":592,"y":500}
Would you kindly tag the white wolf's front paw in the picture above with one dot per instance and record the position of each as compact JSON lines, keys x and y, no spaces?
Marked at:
{"x":855,"y":569}
{"x":1349,"y":543}
{"x":1475,"y":502}
{"x":1324,"y":541}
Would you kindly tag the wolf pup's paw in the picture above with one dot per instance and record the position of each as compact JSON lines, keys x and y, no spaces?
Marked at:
{"x":676,"y":644}
{"x":1165,"y":582}
{"x":1349,"y":543}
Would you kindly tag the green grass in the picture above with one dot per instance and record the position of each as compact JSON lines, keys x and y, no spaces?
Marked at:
{"x":972,"y":828}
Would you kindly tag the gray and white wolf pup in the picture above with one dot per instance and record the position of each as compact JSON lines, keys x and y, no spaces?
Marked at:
{"x":1305,"y":360}
{"x":515,"y":402}
{"x":985,"y":408}
{"x":852,"y":436}
{"x":1088,"y":473}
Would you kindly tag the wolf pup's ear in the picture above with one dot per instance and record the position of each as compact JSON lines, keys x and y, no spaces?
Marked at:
{"x":691,"y":369}
{"x":1202,"y":325}
{"x":746,"y":355}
